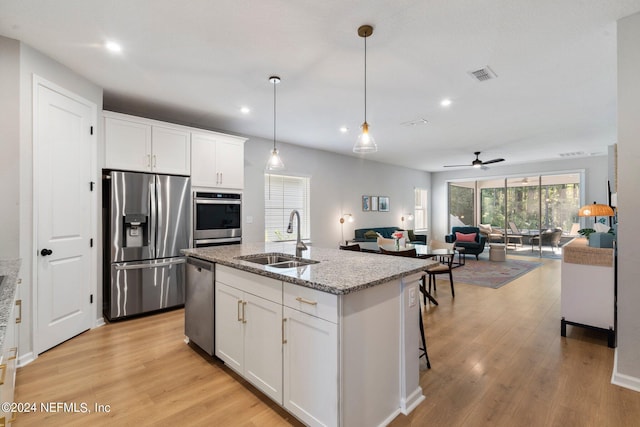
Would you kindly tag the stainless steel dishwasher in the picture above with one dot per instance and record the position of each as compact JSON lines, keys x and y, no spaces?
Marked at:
{"x":199,"y":316}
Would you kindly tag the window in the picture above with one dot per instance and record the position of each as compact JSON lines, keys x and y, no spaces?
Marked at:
{"x":420,"y":208}
{"x":461,"y":204}
{"x":282,"y":194}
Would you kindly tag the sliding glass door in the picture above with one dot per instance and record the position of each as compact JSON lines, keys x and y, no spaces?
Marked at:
{"x":526,"y":206}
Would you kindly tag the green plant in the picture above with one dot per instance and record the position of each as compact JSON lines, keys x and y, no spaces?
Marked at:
{"x":586,"y":231}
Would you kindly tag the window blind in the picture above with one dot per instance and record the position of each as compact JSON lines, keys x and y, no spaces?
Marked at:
{"x":282,"y":194}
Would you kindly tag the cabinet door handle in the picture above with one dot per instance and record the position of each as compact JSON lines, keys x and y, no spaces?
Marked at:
{"x":154,"y":161}
{"x":148,"y":160}
{"x":284,"y":320}
{"x":244,"y":319}
{"x":306,"y":301}
{"x":19,"y":304}
{"x":239,"y":306}
{"x":220,"y":177}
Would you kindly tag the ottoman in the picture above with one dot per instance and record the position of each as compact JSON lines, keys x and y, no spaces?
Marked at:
{"x":497,"y":252}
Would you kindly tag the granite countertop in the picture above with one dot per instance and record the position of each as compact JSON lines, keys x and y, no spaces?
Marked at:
{"x":338,"y":271}
{"x":9,"y":269}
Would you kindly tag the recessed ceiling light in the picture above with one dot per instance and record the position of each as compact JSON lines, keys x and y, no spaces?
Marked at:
{"x":445,"y":102}
{"x":344,"y":129}
{"x":113,"y":47}
{"x":245,"y":110}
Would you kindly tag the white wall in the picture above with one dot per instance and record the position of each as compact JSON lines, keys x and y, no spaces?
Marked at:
{"x":627,"y":370}
{"x":595,"y":169}
{"x":33,"y":63}
{"x":9,"y":148}
{"x":337,"y":186}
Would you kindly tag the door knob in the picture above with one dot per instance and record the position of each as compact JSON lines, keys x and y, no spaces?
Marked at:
{"x":46,"y":252}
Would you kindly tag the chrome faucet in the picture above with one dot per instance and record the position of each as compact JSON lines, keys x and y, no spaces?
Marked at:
{"x":300,"y":246}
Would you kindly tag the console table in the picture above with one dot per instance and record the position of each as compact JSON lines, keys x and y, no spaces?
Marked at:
{"x":588,"y":293}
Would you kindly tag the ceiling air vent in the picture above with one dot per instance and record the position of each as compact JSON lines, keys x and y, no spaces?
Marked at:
{"x":573,"y":154}
{"x":483,"y":74}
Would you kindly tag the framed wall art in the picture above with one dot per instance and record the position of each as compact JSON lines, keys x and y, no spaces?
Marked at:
{"x":383,"y":204}
{"x":366,"y":203}
{"x":374,"y":203}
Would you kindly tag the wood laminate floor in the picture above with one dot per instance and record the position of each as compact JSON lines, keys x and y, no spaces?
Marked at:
{"x":496,"y":354}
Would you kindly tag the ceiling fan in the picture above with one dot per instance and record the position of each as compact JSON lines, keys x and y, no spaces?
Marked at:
{"x":477,"y":162}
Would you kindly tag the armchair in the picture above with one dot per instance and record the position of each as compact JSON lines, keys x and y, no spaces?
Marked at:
{"x":474,"y":247}
{"x":549,"y":237}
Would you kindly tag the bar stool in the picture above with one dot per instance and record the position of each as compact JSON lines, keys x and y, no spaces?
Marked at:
{"x":423,"y":349}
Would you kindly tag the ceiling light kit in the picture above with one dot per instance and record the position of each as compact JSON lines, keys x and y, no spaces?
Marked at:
{"x":275,"y":162}
{"x":365,"y":142}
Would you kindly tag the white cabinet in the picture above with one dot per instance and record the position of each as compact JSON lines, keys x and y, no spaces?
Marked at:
{"x":587,"y":292}
{"x":8,"y":362}
{"x":249,"y":328}
{"x":217,"y":160}
{"x":311,"y":355}
{"x":137,"y":144}
{"x":310,"y":368}
{"x":127,"y":144}
{"x":330,"y":360}
{"x":170,"y":151}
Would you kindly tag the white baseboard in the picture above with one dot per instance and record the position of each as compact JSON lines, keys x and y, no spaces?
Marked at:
{"x":25,"y":359}
{"x":99,"y":322}
{"x":622,"y":380}
{"x":413,"y":400}
{"x":390,"y":418}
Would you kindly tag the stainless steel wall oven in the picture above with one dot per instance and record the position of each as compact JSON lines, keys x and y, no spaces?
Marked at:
{"x":217,"y":218}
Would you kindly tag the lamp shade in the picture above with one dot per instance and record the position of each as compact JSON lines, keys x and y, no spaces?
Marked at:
{"x":595,"y":209}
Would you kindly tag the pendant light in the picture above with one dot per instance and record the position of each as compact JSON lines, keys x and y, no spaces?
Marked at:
{"x":365,"y":142}
{"x":275,"y":162}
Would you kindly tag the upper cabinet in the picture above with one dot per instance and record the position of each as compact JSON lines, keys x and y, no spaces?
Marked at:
{"x":217,"y":160}
{"x":138,"y":144}
{"x":212,"y":159}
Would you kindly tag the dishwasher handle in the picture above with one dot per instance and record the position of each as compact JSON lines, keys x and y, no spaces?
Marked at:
{"x":196,"y":262}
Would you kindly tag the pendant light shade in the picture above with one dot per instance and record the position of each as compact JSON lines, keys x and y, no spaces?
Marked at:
{"x":275,"y":162}
{"x":365,"y":142}
{"x":596,"y":209}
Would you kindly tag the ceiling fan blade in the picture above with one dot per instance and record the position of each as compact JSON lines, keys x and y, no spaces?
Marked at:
{"x":492,"y":161}
{"x":455,"y":166}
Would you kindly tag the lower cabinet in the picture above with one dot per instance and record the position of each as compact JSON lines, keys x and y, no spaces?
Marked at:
{"x":8,"y":363}
{"x":329,"y":360}
{"x":272,"y":334}
{"x":249,"y":334}
{"x":310,"y":368}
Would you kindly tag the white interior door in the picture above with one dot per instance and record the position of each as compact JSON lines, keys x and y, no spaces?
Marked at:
{"x":62,"y":213}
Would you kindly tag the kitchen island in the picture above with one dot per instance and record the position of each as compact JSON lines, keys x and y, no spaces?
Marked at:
{"x":335,"y":342}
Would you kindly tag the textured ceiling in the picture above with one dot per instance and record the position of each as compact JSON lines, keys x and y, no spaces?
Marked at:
{"x":199,"y":61}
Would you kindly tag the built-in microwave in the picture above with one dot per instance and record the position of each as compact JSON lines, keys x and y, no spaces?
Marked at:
{"x":217,"y":218}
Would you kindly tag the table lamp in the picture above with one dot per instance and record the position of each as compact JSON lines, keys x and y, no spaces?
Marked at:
{"x":596,"y":239}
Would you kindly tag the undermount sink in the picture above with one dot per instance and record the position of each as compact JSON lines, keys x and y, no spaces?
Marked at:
{"x":277,"y":260}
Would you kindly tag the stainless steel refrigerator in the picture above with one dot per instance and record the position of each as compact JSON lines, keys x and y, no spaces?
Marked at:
{"x":146,"y":224}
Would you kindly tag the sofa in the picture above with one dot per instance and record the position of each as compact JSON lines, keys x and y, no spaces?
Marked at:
{"x":474,"y":247}
{"x":386,"y":232}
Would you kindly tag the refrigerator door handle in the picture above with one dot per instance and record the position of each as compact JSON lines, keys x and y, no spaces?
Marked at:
{"x":150,"y":265}
{"x":153,"y":211}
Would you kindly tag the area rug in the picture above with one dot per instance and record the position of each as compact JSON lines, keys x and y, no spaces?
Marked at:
{"x":492,"y":274}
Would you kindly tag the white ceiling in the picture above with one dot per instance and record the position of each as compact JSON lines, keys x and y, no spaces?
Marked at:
{"x":198,"y":61}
